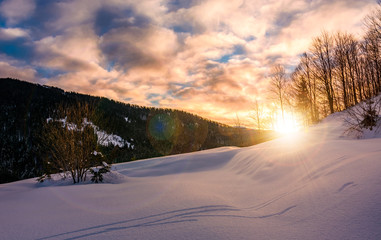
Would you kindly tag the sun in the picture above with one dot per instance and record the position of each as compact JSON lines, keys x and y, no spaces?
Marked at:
{"x":287,"y":124}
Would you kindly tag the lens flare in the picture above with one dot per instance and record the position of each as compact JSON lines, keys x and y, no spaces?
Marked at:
{"x":287,"y":124}
{"x":162,"y":127}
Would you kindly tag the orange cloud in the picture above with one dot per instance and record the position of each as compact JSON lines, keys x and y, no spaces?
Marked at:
{"x":210,"y":57}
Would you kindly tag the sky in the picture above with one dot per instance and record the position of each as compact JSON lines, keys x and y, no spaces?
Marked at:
{"x":208,"y":57}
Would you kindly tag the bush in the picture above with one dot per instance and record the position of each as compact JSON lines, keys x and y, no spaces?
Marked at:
{"x":71,"y":142}
{"x":370,"y":116}
{"x":98,"y":172}
{"x":364,"y":115}
{"x":42,"y":178}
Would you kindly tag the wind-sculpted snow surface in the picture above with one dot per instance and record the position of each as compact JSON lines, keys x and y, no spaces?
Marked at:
{"x":316,"y":185}
{"x":193,"y":162}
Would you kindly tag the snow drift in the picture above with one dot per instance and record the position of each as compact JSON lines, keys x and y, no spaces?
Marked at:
{"x":318,"y":184}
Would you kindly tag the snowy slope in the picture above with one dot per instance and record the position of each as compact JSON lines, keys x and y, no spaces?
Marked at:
{"x":316,"y":185}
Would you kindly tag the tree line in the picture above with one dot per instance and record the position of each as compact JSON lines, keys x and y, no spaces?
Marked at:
{"x":337,"y":71}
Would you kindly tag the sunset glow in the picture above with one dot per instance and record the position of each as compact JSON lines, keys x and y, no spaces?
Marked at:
{"x":207,"y":57}
{"x":288,"y":125}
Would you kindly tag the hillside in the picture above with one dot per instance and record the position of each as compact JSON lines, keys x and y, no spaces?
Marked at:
{"x":317,"y":185}
{"x":132,"y":132}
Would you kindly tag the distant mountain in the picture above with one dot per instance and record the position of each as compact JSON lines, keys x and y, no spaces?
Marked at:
{"x":130,"y":132}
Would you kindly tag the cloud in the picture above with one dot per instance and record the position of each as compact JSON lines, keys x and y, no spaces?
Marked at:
{"x":146,"y":47}
{"x":210,"y":57}
{"x":7,"y":34}
{"x":74,"y":50}
{"x":111,"y":17}
{"x":22,"y":73}
{"x":17,"y":10}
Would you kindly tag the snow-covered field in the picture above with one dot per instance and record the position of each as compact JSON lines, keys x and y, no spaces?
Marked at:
{"x":313,"y":185}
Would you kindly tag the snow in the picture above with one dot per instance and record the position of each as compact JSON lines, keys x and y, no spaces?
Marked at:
{"x":104,"y":138}
{"x":127,"y":120}
{"x":319,"y":184}
{"x":59,"y":180}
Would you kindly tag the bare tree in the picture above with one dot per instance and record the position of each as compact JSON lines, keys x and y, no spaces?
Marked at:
{"x":373,"y":62}
{"x":302,"y":95}
{"x":278,"y":85}
{"x":322,"y":51}
{"x":258,"y":115}
{"x":340,"y":56}
{"x":305,"y":70}
{"x":239,"y":128}
{"x":372,"y":47}
{"x":71,"y":142}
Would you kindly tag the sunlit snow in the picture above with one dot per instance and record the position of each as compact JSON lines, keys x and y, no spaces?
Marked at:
{"x":321,"y":185}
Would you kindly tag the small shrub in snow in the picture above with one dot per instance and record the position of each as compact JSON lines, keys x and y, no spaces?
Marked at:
{"x":44,"y":177}
{"x":98,"y":172}
{"x":364,"y":116}
{"x":369,"y":116}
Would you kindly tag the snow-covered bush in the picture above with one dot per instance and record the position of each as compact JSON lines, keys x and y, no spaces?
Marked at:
{"x":98,"y":172}
{"x":364,"y":116}
{"x":369,"y":116}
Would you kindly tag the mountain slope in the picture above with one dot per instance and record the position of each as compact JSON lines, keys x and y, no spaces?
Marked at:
{"x":145,"y":132}
{"x":318,"y":185}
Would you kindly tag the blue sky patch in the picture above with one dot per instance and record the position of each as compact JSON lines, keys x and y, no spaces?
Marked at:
{"x":48,"y":72}
{"x":17,"y":49}
{"x":238,"y":50}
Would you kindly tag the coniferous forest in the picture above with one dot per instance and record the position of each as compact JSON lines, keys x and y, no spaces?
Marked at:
{"x":130,"y":132}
